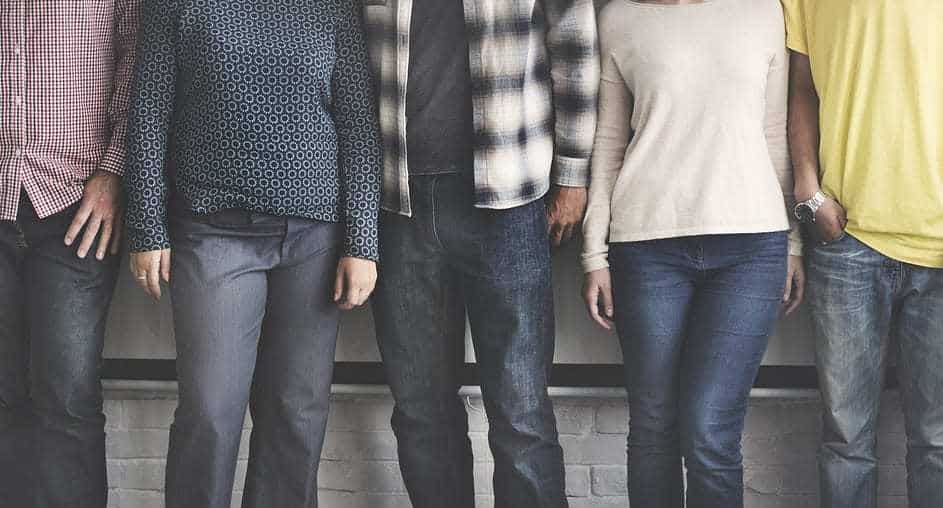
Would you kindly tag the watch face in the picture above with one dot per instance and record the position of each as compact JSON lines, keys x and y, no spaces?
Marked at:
{"x":804,"y":213}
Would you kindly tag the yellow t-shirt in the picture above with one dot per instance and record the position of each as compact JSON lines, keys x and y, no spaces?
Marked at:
{"x":878,"y":69}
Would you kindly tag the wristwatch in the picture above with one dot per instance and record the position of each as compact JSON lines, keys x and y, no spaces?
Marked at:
{"x":805,"y":211}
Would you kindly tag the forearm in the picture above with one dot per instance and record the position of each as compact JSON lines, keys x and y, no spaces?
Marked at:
{"x":573,"y":51}
{"x":127,"y":13}
{"x":804,"y":129}
{"x":358,"y":136}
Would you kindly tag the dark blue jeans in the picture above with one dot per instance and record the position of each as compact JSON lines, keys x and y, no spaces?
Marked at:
{"x":862,"y":302}
{"x":450,"y":259}
{"x":254,"y":325}
{"x":694,"y":315}
{"x":53,"y":307}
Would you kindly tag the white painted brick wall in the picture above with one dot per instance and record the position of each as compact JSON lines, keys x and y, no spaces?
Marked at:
{"x":359,"y":468}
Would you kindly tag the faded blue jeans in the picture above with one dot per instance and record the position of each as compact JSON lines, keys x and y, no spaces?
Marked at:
{"x":862,"y":302}
{"x":694,"y":315}
{"x":447,"y":260}
{"x":53,"y":307}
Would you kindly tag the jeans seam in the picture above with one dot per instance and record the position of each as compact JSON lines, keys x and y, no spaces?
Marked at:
{"x":432,"y":214}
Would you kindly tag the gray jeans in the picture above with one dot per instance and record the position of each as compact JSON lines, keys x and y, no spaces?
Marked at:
{"x":861,"y":300}
{"x":255,"y":325}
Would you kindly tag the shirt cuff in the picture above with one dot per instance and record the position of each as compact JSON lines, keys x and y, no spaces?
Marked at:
{"x":361,"y":240}
{"x":570,"y":172}
{"x":148,"y":240}
{"x":113,"y":161}
{"x":595,"y":262}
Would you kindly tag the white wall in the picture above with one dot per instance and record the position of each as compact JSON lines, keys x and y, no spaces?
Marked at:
{"x":140,"y":328}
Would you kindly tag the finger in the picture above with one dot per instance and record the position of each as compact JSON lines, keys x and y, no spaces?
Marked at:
{"x":351,"y":293}
{"x":591,"y":297}
{"x":141,"y":281}
{"x":368,"y":290}
{"x":339,"y":284}
{"x":78,"y":222}
{"x":153,"y":278}
{"x":88,"y":238}
{"x":798,"y":294}
{"x":165,"y":266}
{"x":361,"y":296}
{"x":567,"y":233}
{"x":116,"y":241}
{"x":607,"y":306}
{"x":104,"y":239}
{"x":551,"y":220}
{"x":592,"y":305}
{"x":556,"y":234}
{"x":787,"y":292}
{"x":137,"y":272}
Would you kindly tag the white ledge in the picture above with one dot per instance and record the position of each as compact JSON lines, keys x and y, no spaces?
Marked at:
{"x":143,"y":390}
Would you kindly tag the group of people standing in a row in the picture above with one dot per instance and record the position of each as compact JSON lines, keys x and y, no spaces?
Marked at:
{"x":250,"y":140}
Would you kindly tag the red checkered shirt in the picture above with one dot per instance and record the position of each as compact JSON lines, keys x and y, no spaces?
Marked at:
{"x":65,"y":69}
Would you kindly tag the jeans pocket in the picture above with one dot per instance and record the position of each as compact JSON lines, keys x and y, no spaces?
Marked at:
{"x":833,"y":242}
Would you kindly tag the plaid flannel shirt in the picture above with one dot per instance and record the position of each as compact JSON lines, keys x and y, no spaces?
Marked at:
{"x":535,"y":73}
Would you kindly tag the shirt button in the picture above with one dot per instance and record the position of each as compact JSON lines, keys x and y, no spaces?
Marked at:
{"x":16,"y":51}
{"x":19,"y":100}
{"x":19,"y":152}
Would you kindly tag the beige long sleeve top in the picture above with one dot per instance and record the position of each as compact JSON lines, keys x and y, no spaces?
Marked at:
{"x":691,"y":136}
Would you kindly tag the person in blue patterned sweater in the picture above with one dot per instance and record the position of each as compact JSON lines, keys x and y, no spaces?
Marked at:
{"x":266,"y":113}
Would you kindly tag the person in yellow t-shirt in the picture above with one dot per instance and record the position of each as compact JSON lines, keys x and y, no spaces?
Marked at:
{"x":866,"y":136}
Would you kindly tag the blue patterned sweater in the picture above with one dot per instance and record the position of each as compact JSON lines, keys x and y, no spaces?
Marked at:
{"x":261,"y":105}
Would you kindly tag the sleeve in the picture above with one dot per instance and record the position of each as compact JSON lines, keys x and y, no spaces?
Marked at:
{"x":777,"y":141}
{"x":152,"y":104}
{"x":613,"y":133}
{"x":354,"y":112}
{"x":796,"y":37}
{"x":574,"y":70}
{"x":126,"y":28}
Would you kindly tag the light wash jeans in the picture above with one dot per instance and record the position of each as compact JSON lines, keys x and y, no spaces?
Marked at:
{"x":862,"y":302}
{"x":694,"y":316}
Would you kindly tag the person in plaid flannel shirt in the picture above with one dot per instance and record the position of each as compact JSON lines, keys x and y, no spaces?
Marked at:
{"x":65,"y":69}
{"x":488,"y":113}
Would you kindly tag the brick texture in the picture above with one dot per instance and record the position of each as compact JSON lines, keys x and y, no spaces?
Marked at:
{"x":359,"y":468}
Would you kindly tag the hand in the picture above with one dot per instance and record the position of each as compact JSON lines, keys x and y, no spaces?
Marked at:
{"x":830,"y":222}
{"x":149,"y":268}
{"x":355,"y":280}
{"x":100,"y":211}
{"x":565,"y":209}
{"x":597,"y":293}
{"x":795,"y":285}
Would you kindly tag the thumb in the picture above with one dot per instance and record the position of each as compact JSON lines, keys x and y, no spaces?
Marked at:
{"x":165,"y":266}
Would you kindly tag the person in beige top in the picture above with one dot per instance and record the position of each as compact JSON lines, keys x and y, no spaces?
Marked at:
{"x":688,"y":248}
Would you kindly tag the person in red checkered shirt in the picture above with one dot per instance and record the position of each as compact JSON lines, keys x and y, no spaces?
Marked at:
{"x":65,"y":68}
